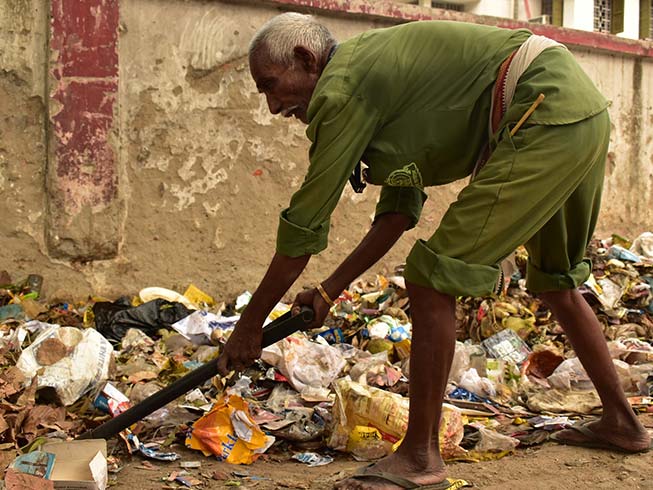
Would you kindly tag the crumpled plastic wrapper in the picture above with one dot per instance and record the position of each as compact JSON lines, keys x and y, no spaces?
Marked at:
{"x":229,"y":432}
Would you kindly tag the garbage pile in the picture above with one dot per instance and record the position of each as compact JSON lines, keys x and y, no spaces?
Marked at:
{"x":66,"y":368}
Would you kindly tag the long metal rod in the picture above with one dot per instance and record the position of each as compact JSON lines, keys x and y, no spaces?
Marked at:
{"x":273,"y":332}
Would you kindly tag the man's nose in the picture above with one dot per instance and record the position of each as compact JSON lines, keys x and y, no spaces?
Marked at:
{"x":273,"y":104}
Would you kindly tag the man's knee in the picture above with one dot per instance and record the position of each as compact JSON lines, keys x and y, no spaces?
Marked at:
{"x":420,"y":295}
{"x":558,"y":299}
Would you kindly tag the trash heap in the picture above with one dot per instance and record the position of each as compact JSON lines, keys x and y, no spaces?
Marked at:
{"x":66,"y":368}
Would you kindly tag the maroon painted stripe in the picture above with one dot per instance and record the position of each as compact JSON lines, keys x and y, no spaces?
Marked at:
{"x":84,"y":42}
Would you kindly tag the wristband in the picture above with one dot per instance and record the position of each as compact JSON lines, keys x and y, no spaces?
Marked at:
{"x":324,"y":294}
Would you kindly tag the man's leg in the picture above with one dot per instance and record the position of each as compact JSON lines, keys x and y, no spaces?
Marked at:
{"x":434,"y":336}
{"x":618,"y":424}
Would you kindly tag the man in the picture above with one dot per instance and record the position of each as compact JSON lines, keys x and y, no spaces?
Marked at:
{"x":424,"y":104}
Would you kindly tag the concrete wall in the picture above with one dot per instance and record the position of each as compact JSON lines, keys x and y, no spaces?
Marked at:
{"x":202,"y":169}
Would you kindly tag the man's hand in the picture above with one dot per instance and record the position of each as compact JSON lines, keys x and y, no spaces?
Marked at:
{"x":242,"y":348}
{"x":312,"y":298}
{"x":244,"y":345}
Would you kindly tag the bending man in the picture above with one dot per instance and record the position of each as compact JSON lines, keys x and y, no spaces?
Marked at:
{"x":424,"y":104}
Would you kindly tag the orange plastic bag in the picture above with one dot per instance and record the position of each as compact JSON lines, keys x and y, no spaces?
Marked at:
{"x":229,"y":432}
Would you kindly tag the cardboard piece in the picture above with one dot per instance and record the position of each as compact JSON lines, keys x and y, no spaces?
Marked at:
{"x":79,"y":465}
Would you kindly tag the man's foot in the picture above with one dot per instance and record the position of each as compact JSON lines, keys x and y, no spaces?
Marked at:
{"x":396,"y":465}
{"x":601,"y":434}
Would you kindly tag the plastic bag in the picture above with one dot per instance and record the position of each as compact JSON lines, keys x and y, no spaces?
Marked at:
{"x":608,"y":293}
{"x":313,"y":459}
{"x":72,"y":361}
{"x":366,"y":443}
{"x":643,"y":245}
{"x":631,"y":350}
{"x":492,"y":445}
{"x":229,"y":433}
{"x":564,"y":401}
{"x":114,"y":319}
{"x":375,"y":370}
{"x":570,"y":374}
{"x":507,"y":345}
{"x":471,"y":381}
{"x":153,"y":293}
{"x":198,"y":327}
{"x":466,"y":356}
{"x":365,"y":406}
{"x":304,"y":363}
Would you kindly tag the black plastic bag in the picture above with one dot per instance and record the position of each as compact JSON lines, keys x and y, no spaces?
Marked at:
{"x":114,"y":319}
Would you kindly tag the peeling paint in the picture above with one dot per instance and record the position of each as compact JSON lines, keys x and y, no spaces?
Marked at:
{"x":186,"y":194}
{"x":218,"y":241}
{"x":3,"y":170}
{"x":85,"y":161}
{"x":262,"y":115}
{"x":186,"y":170}
{"x":212,"y":210}
{"x":211,"y":40}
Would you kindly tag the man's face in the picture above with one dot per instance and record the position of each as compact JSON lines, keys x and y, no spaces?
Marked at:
{"x":288,"y":89}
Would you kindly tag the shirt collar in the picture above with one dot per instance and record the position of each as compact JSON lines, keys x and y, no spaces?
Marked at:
{"x":332,"y":51}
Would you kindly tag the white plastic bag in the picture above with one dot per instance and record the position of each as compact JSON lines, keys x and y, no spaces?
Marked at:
{"x":471,"y":381}
{"x":305,"y":363}
{"x":570,"y":374}
{"x":493,"y":442}
{"x":643,"y":245}
{"x":199,"y":325}
{"x":83,"y":368}
{"x":466,"y":356}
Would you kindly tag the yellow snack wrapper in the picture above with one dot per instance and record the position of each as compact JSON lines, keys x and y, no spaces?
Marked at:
{"x":197,"y":296}
{"x":402,"y":349}
{"x":280,"y":309}
{"x":366,"y":443}
{"x":228,"y":432}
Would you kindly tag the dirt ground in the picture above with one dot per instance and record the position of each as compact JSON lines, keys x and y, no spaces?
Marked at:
{"x":547,"y":467}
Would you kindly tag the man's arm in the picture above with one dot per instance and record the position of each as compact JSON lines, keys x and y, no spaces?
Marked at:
{"x":383,"y":234}
{"x":244,"y":345}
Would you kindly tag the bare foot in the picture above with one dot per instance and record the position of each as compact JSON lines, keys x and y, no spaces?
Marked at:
{"x":420,"y":473}
{"x":631,"y":438}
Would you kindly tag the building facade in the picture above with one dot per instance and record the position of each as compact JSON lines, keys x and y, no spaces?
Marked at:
{"x":624,"y":18}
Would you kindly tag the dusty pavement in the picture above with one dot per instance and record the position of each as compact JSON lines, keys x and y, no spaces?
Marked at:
{"x":546,"y":467}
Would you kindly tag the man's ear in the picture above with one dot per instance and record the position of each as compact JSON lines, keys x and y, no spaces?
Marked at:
{"x":307,"y":59}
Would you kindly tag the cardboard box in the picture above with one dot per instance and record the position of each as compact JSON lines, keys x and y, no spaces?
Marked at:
{"x":79,"y":465}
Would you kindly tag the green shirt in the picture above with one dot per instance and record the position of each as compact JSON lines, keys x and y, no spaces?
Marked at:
{"x":413,"y":103}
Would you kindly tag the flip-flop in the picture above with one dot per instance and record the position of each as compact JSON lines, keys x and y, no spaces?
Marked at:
{"x":400,"y":481}
{"x":594,"y":440}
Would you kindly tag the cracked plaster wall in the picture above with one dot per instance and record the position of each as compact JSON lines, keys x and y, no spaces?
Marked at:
{"x":205,"y":169}
{"x":23,"y":162}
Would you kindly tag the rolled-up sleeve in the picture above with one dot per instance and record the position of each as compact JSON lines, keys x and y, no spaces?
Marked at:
{"x":341,"y":126}
{"x":404,"y":200}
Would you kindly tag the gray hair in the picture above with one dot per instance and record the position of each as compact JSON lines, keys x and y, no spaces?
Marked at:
{"x":281,"y":34}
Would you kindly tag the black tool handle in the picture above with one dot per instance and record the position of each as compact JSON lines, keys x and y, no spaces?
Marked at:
{"x":273,"y":332}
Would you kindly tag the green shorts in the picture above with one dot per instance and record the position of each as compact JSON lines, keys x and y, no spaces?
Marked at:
{"x":541,"y":188}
